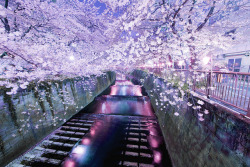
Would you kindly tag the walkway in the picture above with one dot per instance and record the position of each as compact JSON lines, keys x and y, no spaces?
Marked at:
{"x":118,"y":129}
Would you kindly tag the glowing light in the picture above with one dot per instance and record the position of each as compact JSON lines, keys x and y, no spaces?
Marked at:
{"x":86,"y":141}
{"x":176,"y":114}
{"x":154,"y":141}
{"x":150,"y":62}
{"x":69,"y":163}
{"x":74,"y":45}
{"x":103,"y":107}
{"x":138,"y":91}
{"x":157,"y":157}
{"x":92,"y":132}
{"x":169,"y":63}
{"x":71,"y":58}
{"x":201,"y":119}
{"x":205,"y":60}
{"x":123,"y":90}
{"x":80,"y":150}
{"x":181,"y":63}
{"x":113,"y":90}
{"x":153,"y":131}
{"x":123,"y":82}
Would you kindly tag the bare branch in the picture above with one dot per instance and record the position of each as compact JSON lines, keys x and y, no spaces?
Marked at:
{"x":8,"y":51}
{"x":175,"y":15}
{"x":6,"y":3}
{"x":207,"y":17}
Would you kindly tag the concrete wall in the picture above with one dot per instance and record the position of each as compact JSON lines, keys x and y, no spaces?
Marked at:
{"x":222,"y":139}
{"x":30,"y":115}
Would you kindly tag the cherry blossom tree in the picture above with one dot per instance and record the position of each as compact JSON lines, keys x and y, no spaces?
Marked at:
{"x":188,"y":29}
{"x":52,"y":38}
{"x":67,"y":38}
{"x":185,"y":31}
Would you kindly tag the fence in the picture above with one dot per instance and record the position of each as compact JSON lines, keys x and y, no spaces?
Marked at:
{"x":232,"y":88}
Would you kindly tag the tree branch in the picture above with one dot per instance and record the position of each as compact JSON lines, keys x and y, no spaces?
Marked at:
{"x":6,"y":24}
{"x":207,"y":17}
{"x":163,"y":3}
{"x":6,"y":4}
{"x":191,"y":9}
{"x":175,"y":15}
{"x":16,"y":54}
{"x":26,"y":32}
{"x":5,"y":20}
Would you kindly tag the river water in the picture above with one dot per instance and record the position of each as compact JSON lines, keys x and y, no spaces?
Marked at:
{"x":119,"y":128}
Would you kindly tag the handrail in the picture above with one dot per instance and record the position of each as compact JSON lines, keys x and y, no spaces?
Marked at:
{"x":231,"y":88}
{"x":208,"y":71}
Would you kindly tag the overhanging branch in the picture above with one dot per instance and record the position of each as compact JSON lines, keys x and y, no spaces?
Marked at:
{"x":207,"y":17}
{"x":13,"y":54}
{"x":175,"y":15}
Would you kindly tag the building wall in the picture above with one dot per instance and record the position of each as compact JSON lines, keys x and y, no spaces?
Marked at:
{"x":245,"y":61}
{"x":240,"y":45}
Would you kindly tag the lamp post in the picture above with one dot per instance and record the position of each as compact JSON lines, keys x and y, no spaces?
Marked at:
{"x":181,"y":63}
{"x":205,"y":61}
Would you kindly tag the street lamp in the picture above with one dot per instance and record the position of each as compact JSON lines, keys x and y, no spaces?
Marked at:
{"x":205,"y":60}
{"x":181,"y":63}
{"x":169,"y":64}
{"x":72,"y":58}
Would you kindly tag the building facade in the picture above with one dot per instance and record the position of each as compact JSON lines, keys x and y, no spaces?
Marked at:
{"x":235,"y":61}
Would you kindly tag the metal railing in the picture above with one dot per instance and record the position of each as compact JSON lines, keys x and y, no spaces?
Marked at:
{"x":229,"y":87}
{"x":232,"y":88}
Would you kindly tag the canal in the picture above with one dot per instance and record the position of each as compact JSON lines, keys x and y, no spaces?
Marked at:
{"x":119,"y":128}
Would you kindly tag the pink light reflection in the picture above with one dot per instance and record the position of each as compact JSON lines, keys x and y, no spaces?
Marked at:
{"x":157,"y":157}
{"x":126,"y":90}
{"x":86,"y":141}
{"x":69,"y":163}
{"x":104,"y":107}
{"x":79,"y":151}
{"x":147,"y":109}
{"x":153,"y":131}
{"x":113,"y":90}
{"x":154,"y":141}
{"x":138,"y":91}
{"x":92,"y":132}
{"x":123,"y":82}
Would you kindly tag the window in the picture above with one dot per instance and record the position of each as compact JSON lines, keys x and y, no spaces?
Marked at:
{"x":230,"y":64}
{"x":234,"y":65}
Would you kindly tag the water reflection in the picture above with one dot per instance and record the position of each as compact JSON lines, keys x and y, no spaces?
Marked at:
{"x":11,"y":107}
{"x":111,"y":137}
{"x":94,"y":148}
{"x":157,"y":157}
{"x":1,"y":145}
{"x":122,"y":106}
{"x":114,"y":136}
{"x":126,"y":90}
{"x":34,"y":112}
{"x":123,"y":82}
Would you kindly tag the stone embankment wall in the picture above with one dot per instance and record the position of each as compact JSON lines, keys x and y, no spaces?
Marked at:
{"x":221,"y":139}
{"x":31,"y":114}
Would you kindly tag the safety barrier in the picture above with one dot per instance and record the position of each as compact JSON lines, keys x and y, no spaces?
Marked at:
{"x":232,"y":88}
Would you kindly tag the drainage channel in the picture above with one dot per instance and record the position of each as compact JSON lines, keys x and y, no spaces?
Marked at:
{"x":118,"y":129}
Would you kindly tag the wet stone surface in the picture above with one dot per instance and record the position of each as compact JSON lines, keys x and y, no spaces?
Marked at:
{"x":123,"y":133}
